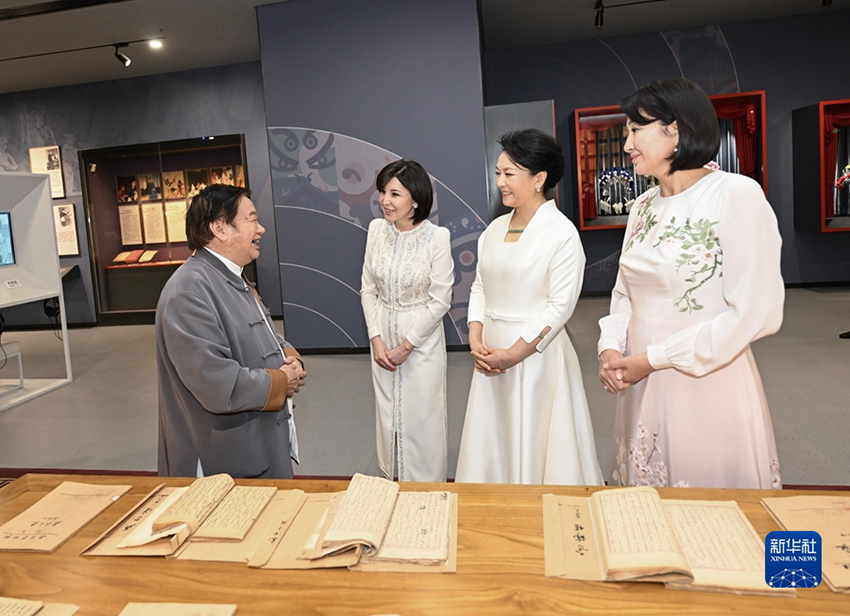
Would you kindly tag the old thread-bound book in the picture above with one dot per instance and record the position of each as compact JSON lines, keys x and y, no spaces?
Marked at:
{"x":631,"y":534}
{"x":385,"y":525}
{"x":211,"y":509}
{"x":369,"y":527}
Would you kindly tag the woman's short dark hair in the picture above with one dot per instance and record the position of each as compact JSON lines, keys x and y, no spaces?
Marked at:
{"x":215,"y":202}
{"x":415,"y":179}
{"x":681,"y":101}
{"x":536,"y":151}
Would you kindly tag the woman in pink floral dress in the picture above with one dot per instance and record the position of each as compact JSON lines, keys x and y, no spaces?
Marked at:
{"x":699,"y":280}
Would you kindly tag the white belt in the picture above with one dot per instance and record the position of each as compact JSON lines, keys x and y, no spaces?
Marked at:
{"x":504,"y":317}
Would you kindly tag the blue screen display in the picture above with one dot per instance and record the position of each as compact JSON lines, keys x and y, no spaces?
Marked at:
{"x":7,"y":248}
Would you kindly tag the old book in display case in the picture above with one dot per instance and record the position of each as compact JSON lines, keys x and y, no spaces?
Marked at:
{"x":821,"y":146}
{"x":136,"y":198}
{"x":606,"y":184}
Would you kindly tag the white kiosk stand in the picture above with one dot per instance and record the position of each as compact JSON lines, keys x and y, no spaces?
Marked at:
{"x":35,"y":274}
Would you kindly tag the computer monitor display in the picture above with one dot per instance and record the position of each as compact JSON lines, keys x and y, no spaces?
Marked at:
{"x":7,"y":247}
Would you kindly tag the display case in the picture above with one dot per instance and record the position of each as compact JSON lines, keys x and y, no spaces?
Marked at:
{"x":821,"y":134}
{"x":135,"y":200}
{"x":606,"y":183}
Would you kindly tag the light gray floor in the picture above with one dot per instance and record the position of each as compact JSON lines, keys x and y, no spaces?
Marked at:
{"x":107,"y":419}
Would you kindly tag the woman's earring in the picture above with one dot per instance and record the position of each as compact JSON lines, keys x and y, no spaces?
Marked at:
{"x":415,"y":205}
{"x":675,"y":149}
{"x":538,"y":190}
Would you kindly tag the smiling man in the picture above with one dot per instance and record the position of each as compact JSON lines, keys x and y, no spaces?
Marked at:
{"x":225,"y":374}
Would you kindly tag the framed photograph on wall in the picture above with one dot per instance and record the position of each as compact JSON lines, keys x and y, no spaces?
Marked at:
{"x":197,"y":180}
{"x":173,"y":185}
{"x":48,"y":160}
{"x":127,"y":189}
{"x":151,"y":186}
{"x":65,"y":223}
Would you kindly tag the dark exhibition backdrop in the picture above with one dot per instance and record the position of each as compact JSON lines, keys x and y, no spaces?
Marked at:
{"x":327,"y":79}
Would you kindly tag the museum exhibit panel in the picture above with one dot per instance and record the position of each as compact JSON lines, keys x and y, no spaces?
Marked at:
{"x":135,"y":199}
{"x":606,"y":184}
{"x":821,"y":134}
{"x":29,"y":273}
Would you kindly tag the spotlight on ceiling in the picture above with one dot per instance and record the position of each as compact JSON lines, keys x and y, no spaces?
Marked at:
{"x":600,"y":14}
{"x":155,"y":43}
{"x":121,"y":57}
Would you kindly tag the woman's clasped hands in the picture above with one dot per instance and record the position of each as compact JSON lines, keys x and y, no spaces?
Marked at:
{"x":617,"y":371}
{"x":491,"y":361}
{"x":390,"y":359}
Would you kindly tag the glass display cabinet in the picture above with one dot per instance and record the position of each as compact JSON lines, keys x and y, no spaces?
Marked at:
{"x":821,"y":135}
{"x":135,"y":199}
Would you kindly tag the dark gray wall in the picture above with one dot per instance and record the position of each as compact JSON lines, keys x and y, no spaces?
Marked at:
{"x":221,"y":100}
{"x":797,"y":61}
{"x":404,"y":80}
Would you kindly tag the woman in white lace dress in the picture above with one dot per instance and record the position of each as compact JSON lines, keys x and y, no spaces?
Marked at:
{"x":699,"y":280}
{"x":406,"y":289}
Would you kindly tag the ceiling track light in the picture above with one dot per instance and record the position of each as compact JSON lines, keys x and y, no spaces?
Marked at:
{"x":600,"y":14}
{"x":121,"y":57}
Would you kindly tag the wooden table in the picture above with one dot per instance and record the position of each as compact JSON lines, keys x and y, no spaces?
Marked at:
{"x":500,"y":566}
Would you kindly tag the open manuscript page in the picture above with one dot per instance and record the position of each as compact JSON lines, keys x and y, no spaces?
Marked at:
{"x":723,"y":549}
{"x":635,"y":536}
{"x":419,"y":529}
{"x":236,"y":514}
{"x":195,"y":504}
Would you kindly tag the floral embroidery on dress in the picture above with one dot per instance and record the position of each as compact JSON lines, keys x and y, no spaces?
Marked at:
{"x":701,"y":255}
{"x":646,"y":472}
{"x":775,"y":476}
{"x":645,"y":221}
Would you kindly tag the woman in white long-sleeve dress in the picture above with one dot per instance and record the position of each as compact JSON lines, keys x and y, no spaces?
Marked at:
{"x":527,"y":419}
{"x":699,"y":280}
{"x":406,"y":289}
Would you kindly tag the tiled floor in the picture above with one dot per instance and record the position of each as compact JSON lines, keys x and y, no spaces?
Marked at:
{"x":107,"y":418}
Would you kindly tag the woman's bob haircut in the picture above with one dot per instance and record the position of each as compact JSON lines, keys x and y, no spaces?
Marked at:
{"x":415,"y":179}
{"x":681,"y":101}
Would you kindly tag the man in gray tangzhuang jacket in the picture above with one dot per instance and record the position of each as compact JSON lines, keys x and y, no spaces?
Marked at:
{"x":225,"y":374}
